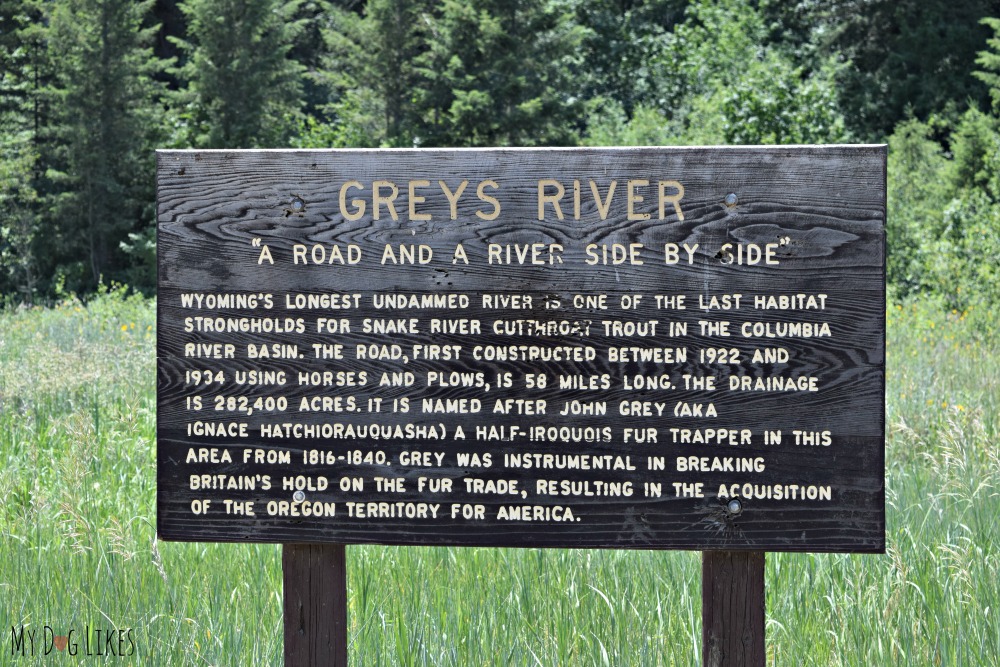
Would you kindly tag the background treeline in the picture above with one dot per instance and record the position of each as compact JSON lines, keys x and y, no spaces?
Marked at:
{"x":89,"y":88}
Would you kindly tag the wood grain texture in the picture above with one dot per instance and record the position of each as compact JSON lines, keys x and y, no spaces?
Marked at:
{"x":732,"y":609}
{"x":823,"y":206}
{"x":315,"y":605}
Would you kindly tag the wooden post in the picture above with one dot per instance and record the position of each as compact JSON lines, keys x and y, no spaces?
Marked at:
{"x":315,"y":580}
{"x":732,"y":609}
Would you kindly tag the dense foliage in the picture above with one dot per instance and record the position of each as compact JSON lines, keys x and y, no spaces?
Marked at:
{"x":89,"y":88}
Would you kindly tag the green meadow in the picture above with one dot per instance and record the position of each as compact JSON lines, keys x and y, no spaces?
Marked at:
{"x":78,"y":545}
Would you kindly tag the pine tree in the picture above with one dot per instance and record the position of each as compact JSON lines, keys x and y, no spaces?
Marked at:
{"x":19,"y":222}
{"x":989,"y":60}
{"x":97,"y":148}
{"x":623,"y":49}
{"x":397,"y":32}
{"x":369,"y":74}
{"x":242,"y":89}
{"x":309,"y":50}
{"x":25,"y":75}
{"x":499,"y":72}
{"x":905,"y":58}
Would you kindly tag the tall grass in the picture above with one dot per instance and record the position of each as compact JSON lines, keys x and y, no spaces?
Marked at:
{"x":78,"y":547}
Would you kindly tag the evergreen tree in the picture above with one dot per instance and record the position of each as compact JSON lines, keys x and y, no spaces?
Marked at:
{"x":904,"y":58}
{"x":722,"y":82}
{"x":27,"y":247}
{"x":19,"y":271}
{"x":353,"y":115}
{"x":623,"y":49}
{"x":170,"y":23}
{"x":371,"y":73}
{"x":396,"y":38}
{"x":499,"y":72}
{"x":242,"y":89}
{"x":97,"y":153}
{"x":309,"y":50}
{"x":989,"y":60}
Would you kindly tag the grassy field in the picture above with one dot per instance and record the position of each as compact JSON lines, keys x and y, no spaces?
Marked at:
{"x":78,"y":547}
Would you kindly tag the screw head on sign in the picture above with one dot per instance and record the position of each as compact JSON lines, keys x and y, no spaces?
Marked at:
{"x":732,"y":200}
{"x":298,"y":496}
{"x":735,"y":506}
{"x":298,"y":204}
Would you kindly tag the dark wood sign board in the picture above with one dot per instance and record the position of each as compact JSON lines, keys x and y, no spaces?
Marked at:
{"x":512,"y":347}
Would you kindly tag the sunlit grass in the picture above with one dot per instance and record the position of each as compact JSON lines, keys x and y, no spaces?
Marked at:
{"x":77,"y":537}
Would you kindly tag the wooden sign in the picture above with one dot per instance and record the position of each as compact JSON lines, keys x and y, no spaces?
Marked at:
{"x":629,"y":348}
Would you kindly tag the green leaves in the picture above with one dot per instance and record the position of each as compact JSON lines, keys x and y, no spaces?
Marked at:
{"x":495,"y":74}
{"x":84,"y":100}
{"x":242,"y":91}
{"x":723,"y":82}
{"x":990,"y":61}
{"x":918,"y":190}
{"x":90,"y":116}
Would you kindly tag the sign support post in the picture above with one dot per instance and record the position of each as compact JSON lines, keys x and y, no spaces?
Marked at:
{"x":315,"y":604}
{"x":732,"y":609}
